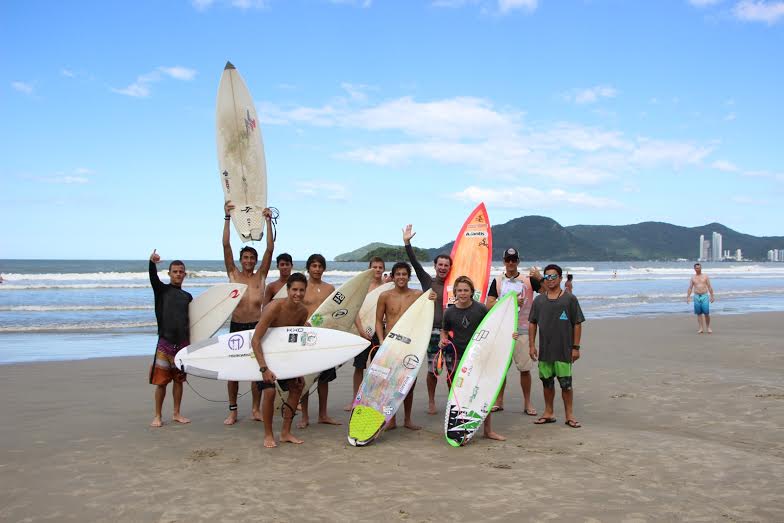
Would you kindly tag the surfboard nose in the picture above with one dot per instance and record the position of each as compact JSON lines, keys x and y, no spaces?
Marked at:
{"x":229,"y":65}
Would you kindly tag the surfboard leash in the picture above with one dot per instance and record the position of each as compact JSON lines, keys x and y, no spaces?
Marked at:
{"x":211,"y":400}
{"x":274,"y":220}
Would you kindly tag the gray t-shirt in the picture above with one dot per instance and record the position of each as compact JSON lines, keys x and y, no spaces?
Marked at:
{"x":463,"y":323}
{"x":555,"y":321}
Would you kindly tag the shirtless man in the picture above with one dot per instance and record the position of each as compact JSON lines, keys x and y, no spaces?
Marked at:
{"x":361,"y":360}
{"x":285,"y":264}
{"x":248,"y":311}
{"x":442,"y":264}
{"x":280,"y":313}
{"x":317,"y":292}
{"x":701,"y":285}
{"x":391,"y":306}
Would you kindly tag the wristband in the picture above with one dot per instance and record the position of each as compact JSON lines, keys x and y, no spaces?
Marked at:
{"x":227,"y":217}
{"x":575,"y":347}
{"x":263,"y":369}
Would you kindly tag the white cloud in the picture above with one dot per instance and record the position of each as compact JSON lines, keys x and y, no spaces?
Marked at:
{"x":650,"y":153}
{"x":67,"y":73}
{"x":759,"y":11}
{"x":202,"y":5}
{"x":321,"y":188}
{"x":141,"y":87}
{"x":748,"y":200}
{"x":730,"y":117}
{"x":509,"y":5}
{"x":22,"y":87}
{"x":530,"y":197}
{"x":357,"y":92}
{"x":357,"y":3}
{"x":591,"y":94}
{"x":725,"y":166}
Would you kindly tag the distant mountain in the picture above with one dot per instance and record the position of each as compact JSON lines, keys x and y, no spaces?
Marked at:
{"x":542,"y":238}
{"x":359,"y":254}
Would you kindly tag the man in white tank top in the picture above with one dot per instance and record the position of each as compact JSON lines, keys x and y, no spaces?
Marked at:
{"x":525,"y":287}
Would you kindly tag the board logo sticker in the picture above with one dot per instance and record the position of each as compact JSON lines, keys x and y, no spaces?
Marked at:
{"x":338,"y":298}
{"x":295,"y":329}
{"x":293,"y":337}
{"x":317,"y":320}
{"x":236,"y":342}
{"x":480,"y":335}
{"x":403,"y":389}
{"x":387,"y":410}
{"x":398,"y":337}
{"x":474,"y":393}
{"x":308,"y":338}
{"x":250,"y":123}
{"x":339,"y":313}
{"x":234,"y":294}
{"x":411,"y":361}
{"x":475,"y":234}
{"x":379,"y":371}
{"x":459,"y":381}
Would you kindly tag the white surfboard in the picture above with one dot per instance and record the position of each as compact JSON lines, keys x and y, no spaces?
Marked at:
{"x":209,"y":310}
{"x":392,"y":372}
{"x":282,"y":294}
{"x":367,"y":313}
{"x":289,"y":351}
{"x":481,"y":372}
{"x":243,"y":169}
{"x":337,"y":312}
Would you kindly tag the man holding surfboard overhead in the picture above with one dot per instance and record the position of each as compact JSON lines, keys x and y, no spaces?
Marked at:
{"x":317,"y":292}
{"x":525,"y":287}
{"x":171,"y":314}
{"x":248,"y":311}
{"x":280,"y":313}
{"x":557,"y":316}
{"x":442,"y":264}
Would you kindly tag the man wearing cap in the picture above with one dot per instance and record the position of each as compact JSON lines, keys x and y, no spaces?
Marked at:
{"x":525,"y":287}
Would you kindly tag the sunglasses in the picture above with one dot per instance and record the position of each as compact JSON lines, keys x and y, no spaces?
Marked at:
{"x":550,"y":277}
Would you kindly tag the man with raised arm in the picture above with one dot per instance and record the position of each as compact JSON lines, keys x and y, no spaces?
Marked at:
{"x":171,"y":314}
{"x":318,"y":291}
{"x":701,"y":285}
{"x":361,"y":360}
{"x":280,"y":313}
{"x":524,"y":286}
{"x":442,"y":264}
{"x":285,"y":264}
{"x":391,"y":306}
{"x":246,"y":315}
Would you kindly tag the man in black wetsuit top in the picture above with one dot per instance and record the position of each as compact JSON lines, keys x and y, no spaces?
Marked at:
{"x":171,"y":312}
{"x":442,"y":264}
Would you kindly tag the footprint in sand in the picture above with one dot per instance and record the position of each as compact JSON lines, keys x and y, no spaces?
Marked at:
{"x":202,"y":454}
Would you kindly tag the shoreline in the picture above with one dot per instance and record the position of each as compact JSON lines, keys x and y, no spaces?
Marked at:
{"x":676,"y":426}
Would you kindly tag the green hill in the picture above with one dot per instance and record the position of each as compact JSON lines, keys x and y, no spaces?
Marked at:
{"x":361,"y":253}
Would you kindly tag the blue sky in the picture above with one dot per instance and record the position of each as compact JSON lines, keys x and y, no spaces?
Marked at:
{"x":380,"y":113}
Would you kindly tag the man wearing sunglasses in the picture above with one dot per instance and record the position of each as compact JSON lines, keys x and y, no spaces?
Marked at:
{"x":557,"y":317}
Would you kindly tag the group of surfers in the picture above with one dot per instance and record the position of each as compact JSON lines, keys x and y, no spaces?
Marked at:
{"x":555,"y":312}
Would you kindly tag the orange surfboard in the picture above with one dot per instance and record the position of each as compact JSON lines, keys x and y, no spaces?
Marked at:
{"x":471,"y":255}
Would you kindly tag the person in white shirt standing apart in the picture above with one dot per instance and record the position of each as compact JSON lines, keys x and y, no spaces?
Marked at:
{"x":525,"y":287}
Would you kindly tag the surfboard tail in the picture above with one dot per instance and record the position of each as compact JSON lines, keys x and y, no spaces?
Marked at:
{"x":365,"y":425}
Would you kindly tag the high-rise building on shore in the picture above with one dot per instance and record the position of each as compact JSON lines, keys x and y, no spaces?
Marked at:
{"x":716,"y":248}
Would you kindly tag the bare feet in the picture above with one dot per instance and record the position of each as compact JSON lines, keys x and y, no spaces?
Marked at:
{"x":231,"y":419}
{"x":326,"y":420}
{"x":289,"y":438}
{"x":699,"y":331}
{"x":391,"y":424}
{"x":410,"y":425}
{"x":531,"y":411}
{"x":710,"y":331}
{"x":494,"y":435}
{"x":431,"y":408}
{"x":256,"y":415}
{"x":179,"y":418}
{"x":303,"y":423}
{"x":349,"y":407}
{"x":269,"y":442}
{"x":156,"y":422}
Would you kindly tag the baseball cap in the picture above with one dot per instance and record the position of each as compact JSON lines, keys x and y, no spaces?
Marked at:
{"x":511,"y":253}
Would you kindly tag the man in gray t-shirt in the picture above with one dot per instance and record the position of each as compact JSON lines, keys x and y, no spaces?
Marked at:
{"x":557,"y":316}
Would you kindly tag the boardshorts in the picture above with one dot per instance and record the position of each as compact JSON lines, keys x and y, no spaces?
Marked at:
{"x":163,"y":369}
{"x":237,"y":327}
{"x":284,"y":384}
{"x":702,"y":304}
{"x":361,"y":359}
{"x":521,"y":357}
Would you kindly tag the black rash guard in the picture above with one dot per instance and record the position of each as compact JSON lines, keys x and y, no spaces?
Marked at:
{"x":171,"y":309}
{"x":428,"y":282}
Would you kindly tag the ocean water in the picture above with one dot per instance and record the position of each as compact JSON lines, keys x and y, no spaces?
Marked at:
{"x":73,"y":309}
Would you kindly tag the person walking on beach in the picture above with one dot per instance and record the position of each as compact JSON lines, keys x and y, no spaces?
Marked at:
{"x":462,"y":321}
{"x":361,"y":360}
{"x":701,"y":285}
{"x":525,"y":287}
{"x":280,"y":313}
{"x":317,"y":292}
{"x":246,"y":315}
{"x":285,"y":265}
{"x":569,"y":286}
{"x":391,"y":306}
{"x":442,"y":264}
{"x":557,"y":317}
{"x":171,"y":314}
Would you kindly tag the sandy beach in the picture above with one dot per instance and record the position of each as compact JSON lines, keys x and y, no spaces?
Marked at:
{"x":676,"y":427}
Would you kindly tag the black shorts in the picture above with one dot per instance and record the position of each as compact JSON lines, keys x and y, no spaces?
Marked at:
{"x":284,"y":384}
{"x":327,"y":376}
{"x":237,"y":327}
{"x":361,"y":359}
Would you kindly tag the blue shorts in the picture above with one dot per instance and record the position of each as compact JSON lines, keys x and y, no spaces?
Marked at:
{"x":702,"y":304}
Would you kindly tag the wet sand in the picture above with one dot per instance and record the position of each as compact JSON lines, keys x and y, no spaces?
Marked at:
{"x":676,"y":427}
